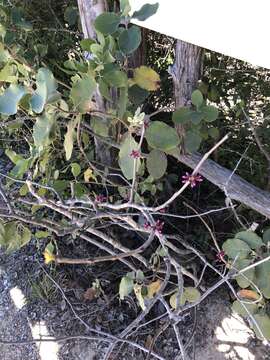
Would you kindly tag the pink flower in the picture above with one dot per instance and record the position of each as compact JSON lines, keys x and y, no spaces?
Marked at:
{"x":147,"y":226}
{"x":220,"y":255}
{"x":135,"y":154}
{"x":158,"y":227}
{"x":100,"y":198}
{"x":192,"y":179}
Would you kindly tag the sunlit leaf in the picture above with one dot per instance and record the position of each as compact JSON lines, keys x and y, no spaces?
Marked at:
{"x":125,"y":287}
{"x":9,"y":100}
{"x":146,"y":78}
{"x":46,"y":91}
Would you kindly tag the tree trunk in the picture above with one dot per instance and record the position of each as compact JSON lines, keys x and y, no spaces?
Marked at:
{"x":89,"y":10}
{"x":186,"y":72}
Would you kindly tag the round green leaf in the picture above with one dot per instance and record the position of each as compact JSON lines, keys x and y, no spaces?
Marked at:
{"x":192,"y":294}
{"x":240,"y":310}
{"x":192,"y":141}
{"x":214,"y":133}
{"x":245,"y":279}
{"x":197,"y":98}
{"x":75,"y":169}
{"x":249,"y":237}
{"x":161,"y":136}
{"x":263,"y":322}
{"x":107,"y":23}
{"x":10,"y":99}
{"x":262,"y":272}
{"x":126,"y":161}
{"x":82,"y":91}
{"x":173,"y":299}
{"x":236,"y":247}
{"x":145,"y":11}
{"x":266,"y":236}
{"x":156,"y":163}
{"x":182,"y":115}
{"x":210,"y":113}
{"x":137,"y":95}
{"x":130,"y":39}
{"x":116,"y":78}
{"x":71,"y":15}
{"x":46,"y":90}
{"x":196,"y":117}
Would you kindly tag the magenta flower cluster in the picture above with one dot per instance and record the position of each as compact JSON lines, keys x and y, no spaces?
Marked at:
{"x":192,"y":179}
{"x":135,"y":154}
{"x":100,"y":198}
{"x":157,"y":227}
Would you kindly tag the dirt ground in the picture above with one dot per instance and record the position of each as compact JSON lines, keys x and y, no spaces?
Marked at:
{"x":218,"y":334}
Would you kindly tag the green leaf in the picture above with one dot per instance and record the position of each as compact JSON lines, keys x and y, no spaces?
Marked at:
{"x":182,"y":115}
{"x":9,"y":73}
{"x":13,"y":156}
{"x":43,"y":130}
{"x":130,"y":39}
{"x":14,"y":236}
{"x":266,"y":236}
{"x":236,"y":247}
{"x":82,"y":91}
{"x":42,"y":234}
{"x":239,"y":309}
{"x":9,"y":100}
{"x":146,"y":78}
{"x":214,"y":133}
{"x":126,"y":162}
{"x":137,"y":95}
{"x":249,"y":237}
{"x":116,"y":78}
{"x":145,"y":11}
{"x":71,"y":15}
{"x":156,"y":163}
{"x":192,"y":141}
{"x":262,"y":272}
{"x":192,"y":294}
{"x":197,"y":98}
{"x":22,"y":166}
{"x":125,"y":7}
{"x":263,"y":322}
{"x":107,"y":23}
{"x":86,"y":44}
{"x":60,"y":185}
{"x":122,"y":102}
{"x":245,"y":279}
{"x":173,"y":299}
{"x":196,"y":117}
{"x":46,"y":90}
{"x":69,"y":139}
{"x":210,"y":113}
{"x":24,"y":190}
{"x":100,"y":126}
{"x":161,"y":136}
{"x":125,"y":287}
{"x":104,"y":89}
{"x":75,"y":169}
